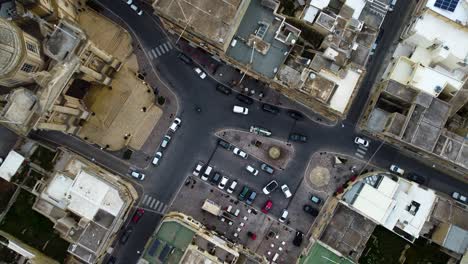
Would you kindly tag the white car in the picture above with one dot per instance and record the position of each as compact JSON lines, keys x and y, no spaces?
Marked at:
{"x":286,"y":191}
{"x":397,"y":170}
{"x":459,"y":197}
{"x":157,"y":158}
{"x":232,"y":187}
{"x":165,"y":141}
{"x":176,"y":124}
{"x":240,"y":110}
{"x":284,"y":215}
{"x":137,"y":175}
{"x":361,"y":141}
{"x":239,"y":152}
{"x":198,"y":168}
{"x":252,"y":170}
{"x":200,"y":72}
{"x":207,"y":173}
{"x":270,"y":187}
{"x":223,"y":182}
{"x":129,"y":2}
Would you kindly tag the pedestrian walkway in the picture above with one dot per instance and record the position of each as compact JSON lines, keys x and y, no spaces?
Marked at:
{"x":154,"y":204}
{"x":361,"y":151}
{"x":160,"y":50}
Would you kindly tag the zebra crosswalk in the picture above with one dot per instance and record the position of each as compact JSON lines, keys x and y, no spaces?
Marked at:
{"x":154,"y":204}
{"x":361,"y":151}
{"x":160,"y":50}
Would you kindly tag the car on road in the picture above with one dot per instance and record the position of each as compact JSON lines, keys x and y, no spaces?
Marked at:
{"x":286,"y":191}
{"x":239,"y":152}
{"x":240,"y":110}
{"x":295,"y":115}
{"x":137,"y":175}
{"x":251,"y":198}
{"x":224,"y":144}
{"x":244,"y":99}
{"x":267,"y":207}
{"x":252,"y":170}
{"x":184,"y":58}
{"x":396,"y":169}
{"x":165,"y":141}
{"x":267,"y":168}
{"x":232,"y":187}
{"x":176,"y":124}
{"x":136,"y":9}
{"x":216,"y":178}
{"x":198,"y":168}
{"x":243,"y":194}
{"x":207,"y":173}
{"x":223,"y":89}
{"x":126,"y":235}
{"x":310,"y":210}
{"x":297,"y":137}
{"x":138,"y":214}
{"x":298,"y":239}
{"x":361,"y":141}
{"x":459,"y":197}
{"x":283,"y":216}
{"x":315,"y":199}
{"x":157,"y":158}
{"x":223,"y":182}
{"x":416,"y":178}
{"x":270,"y":109}
{"x":129,"y":2}
{"x":271,"y":186}
{"x":200,"y":73}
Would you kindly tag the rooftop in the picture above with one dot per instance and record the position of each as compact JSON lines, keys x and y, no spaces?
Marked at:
{"x":213,"y":20}
{"x":459,"y":15}
{"x":320,"y":254}
{"x":63,"y":41}
{"x":10,"y":165}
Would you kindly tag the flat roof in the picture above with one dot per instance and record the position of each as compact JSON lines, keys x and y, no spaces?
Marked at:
{"x":320,"y":4}
{"x":459,"y":14}
{"x":373,"y":203}
{"x":344,"y":90}
{"x":310,"y":13}
{"x":357,"y":6}
{"x":214,"y":20}
{"x":321,"y":254}
{"x":11,"y":165}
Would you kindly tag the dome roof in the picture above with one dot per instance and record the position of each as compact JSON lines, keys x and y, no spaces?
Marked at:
{"x":10,"y":47}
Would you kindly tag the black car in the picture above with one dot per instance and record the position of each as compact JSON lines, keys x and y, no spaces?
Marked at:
{"x":298,"y":238}
{"x":244,"y":99}
{"x":310,"y":210}
{"x":270,"y":109}
{"x":416,"y":178}
{"x":224,"y":144}
{"x":297,"y":137}
{"x":295,"y":115}
{"x":185,"y":58}
{"x":223,"y":89}
{"x":126,"y":235}
{"x":112,"y":260}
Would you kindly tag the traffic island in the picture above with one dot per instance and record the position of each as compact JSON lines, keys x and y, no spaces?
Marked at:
{"x":274,"y":152}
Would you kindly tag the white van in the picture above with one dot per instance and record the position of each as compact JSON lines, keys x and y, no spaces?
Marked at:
{"x":240,"y":110}
{"x":207,"y":173}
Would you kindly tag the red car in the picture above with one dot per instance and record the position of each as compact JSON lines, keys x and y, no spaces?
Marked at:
{"x":138,"y":214}
{"x":267,"y":206}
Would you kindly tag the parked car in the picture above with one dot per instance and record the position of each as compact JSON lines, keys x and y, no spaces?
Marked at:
{"x":136,"y":9}
{"x":239,"y":152}
{"x":224,"y":144}
{"x":315,"y":199}
{"x":266,"y":168}
{"x":416,"y":178}
{"x":267,"y":207}
{"x":129,"y":2}
{"x":310,"y":210}
{"x":251,"y":198}
{"x":297,"y":137}
{"x":207,"y":173}
{"x":243,"y":193}
{"x":298,"y":238}
{"x":165,"y":141}
{"x":244,"y":99}
{"x":199,"y":72}
{"x":396,"y":169}
{"x":240,"y":110}
{"x":284,"y":215}
{"x":361,"y":141}
{"x":223,"y":89}
{"x":295,"y":115}
{"x":112,"y":260}
{"x":459,"y":197}
{"x":232,"y":187}
{"x":223,"y":182}
{"x":138,"y":214}
{"x":252,"y":170}
{"x":216,"y":178}
{"x":260,"y":131}
{"x":176,"y":124}
{"x":271,"y":186}
{"x":157,"y":157}
{"x":286,"y":191}
{"x":270,"y":109}
{"x":126,"y":235}
{"x":137,"y":175}
{"x":198,"y":168}
{"x":185,"y":58}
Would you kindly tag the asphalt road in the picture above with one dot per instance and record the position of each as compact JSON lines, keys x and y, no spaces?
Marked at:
{"x":195,"y":141}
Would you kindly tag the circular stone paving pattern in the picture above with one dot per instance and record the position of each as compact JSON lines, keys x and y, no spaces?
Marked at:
{"x":319,"y":177}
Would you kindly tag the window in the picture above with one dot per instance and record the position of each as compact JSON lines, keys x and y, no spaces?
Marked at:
{"x":31,"y":47}
{"x":27,"y":67}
